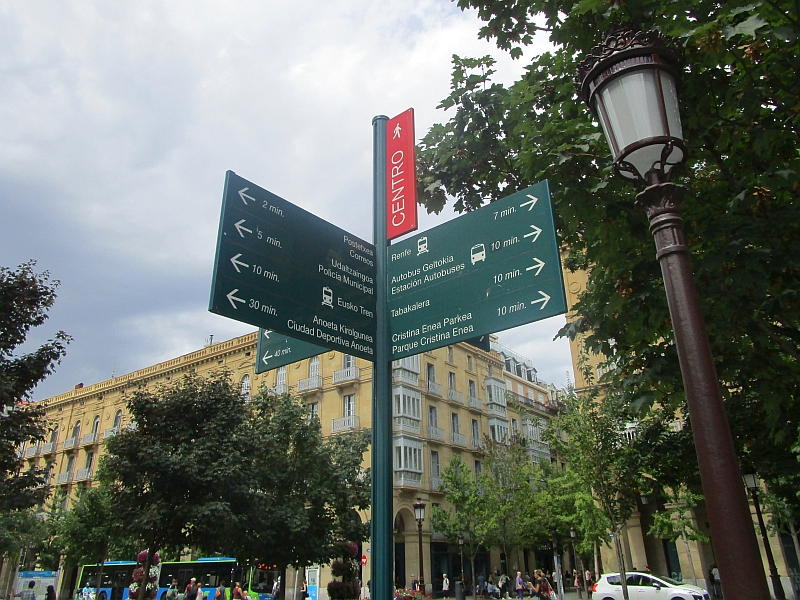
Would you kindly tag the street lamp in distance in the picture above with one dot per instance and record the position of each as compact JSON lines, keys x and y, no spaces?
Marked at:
{"x":578,"y":563}
{"x":461,"y":551}
{"x":419,"y":515}
{"x":630,"y":83}
{"x":751,"y":481}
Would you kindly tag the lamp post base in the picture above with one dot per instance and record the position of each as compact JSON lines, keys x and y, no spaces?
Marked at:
{"x":734,"y":538}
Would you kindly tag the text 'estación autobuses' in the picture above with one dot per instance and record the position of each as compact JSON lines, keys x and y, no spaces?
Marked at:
{"x":428,"y":272}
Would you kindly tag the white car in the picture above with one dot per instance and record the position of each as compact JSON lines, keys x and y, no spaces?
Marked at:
{"x":646,"y":586}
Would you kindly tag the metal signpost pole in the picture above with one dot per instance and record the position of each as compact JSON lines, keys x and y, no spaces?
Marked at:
{"x":382,"y":492}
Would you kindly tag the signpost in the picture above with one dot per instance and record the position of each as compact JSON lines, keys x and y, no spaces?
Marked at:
{"x":401,"y":175}
{"x":277,"y":350}
{"x":489,"y":270}
{"x":282,"y":268}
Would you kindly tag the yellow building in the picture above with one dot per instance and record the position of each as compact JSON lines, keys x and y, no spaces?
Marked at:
{"x":444,"y":403}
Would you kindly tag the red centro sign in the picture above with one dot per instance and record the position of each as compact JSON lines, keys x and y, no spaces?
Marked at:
{"x":401,"y":175}
{"x":363,"y":559}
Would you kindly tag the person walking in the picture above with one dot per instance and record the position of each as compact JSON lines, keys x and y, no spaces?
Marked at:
{"x":27,"y":594}
{"x":587,"y":577}
{"x":221,"y":591}
{"x":503,"y":585}
{"x":445,"y":586}
{"x":519,"y":585}
{"x":172,"y":592}
{"x":414,"y":583}
{"x":50,"y":594}
{"x":237,"y":593}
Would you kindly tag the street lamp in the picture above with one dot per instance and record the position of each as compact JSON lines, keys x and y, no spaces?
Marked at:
{"x":630,"y":83}
{"x":419,"y":515}
{"x":751,"y":481}
{"x":461,"y":551}
{"x":578,"y":562}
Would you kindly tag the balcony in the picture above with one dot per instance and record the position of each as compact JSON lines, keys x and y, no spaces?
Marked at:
{"x":345,"y":424}
{"x":31,"y":452}
{"x":408,"y":479}
{"x":89,"y":438}
{"x":108,"y":433}
{"x":345,"y":375}
{"x":82,"y":474}
{"x":476,"y":443}
{"x":280,"y":389}
{"x":434,"y":388}
{"x":63,"y":478}
{"x":475,"y":402}
{"x":436,"y":482}
{"x":459,"y":439}
{"x":70,"y":443}
{"x":436,"y":433}
{"x":407,"y":424}
{"x":309,"y":383}
{"x":496,"y":409}
{"x":48,"y":447}
{"x":405,"y":376}
{"x":455,"y":396}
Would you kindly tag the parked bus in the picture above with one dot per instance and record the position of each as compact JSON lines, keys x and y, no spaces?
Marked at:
{"x":257,"y":582}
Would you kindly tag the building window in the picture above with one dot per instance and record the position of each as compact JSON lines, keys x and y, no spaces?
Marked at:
{"x":89,"y":461}
{"x":407,"y":403}
{"x":313,"y":410}
{"x":514,"y":426}
{"x":96,"y":425}
{"x":431,"y":371}
{"x":520,"y":389}
{"x":348,"y":361}
{"x":434,"y":463}
{"x":118,"y":419}
{"x":70,"y":464}
{"x":531,"y":395}
{"x":469,"y":362}
{"x":280,"y":379}
{"x":476,"y":429}
{"x":454,"y":422}
{"x":313,"y":366}
{"x":349,"y":405}
{"x":54,"y":436}
{"x":451,"y":380}
{"x":498,"y":429}
{"x":433,"y":417}
{"x":478,"y":468}
{"x":473,"y":389}
{"x":76,"y":430}
{"x":245,"y":389}
{"x":450,"y":354}
{"x":407,"y":455}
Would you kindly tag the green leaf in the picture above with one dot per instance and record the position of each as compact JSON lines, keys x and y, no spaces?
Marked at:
{"x":747,"y":27}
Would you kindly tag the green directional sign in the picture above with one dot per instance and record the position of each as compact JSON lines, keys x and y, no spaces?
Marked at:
{"x":489,"y":270}
{"x":282,"y":268}
{"x":277,"y":350}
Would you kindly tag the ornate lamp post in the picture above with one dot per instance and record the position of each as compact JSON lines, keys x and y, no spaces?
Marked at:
{"x":751,"y":481}
{"x":419,"y":515}
{"x":630,"y":83}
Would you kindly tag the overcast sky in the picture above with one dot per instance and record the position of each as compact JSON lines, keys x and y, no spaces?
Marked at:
{"x":118,"y":121}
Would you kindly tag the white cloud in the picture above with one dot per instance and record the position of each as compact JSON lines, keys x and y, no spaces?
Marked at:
{"x":119,"y":120}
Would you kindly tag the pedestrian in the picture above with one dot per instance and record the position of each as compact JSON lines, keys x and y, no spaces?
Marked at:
{"x":172,"y":592}
{"x":445,"y":586}
{"x":481,"y":584}
{"x":50,"y":594}
{"x":304,"y":589}
{"x":237,"y":593}
{"x":27,"y":594}
{"x":716,"y":581}
{"x":221,"y":591}
{"x":414,"y":583}
{"x":587,"y":577}
{"x":519,"y":585}
{"x":576,"y":577}
{"x":190,"y":593}
{"x":503,"y":585}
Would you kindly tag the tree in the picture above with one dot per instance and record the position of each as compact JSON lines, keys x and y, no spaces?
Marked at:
{"x":510,"y":493}
{"x":303,"y":491}
{"x":25,"y":298}
{"x":675,"y":521}
{"x":179,"y":475}
{"x":471,"y":514}
{"x":606,"y":461}
{"x":738,"y":97}
{"x":92,"y":531}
